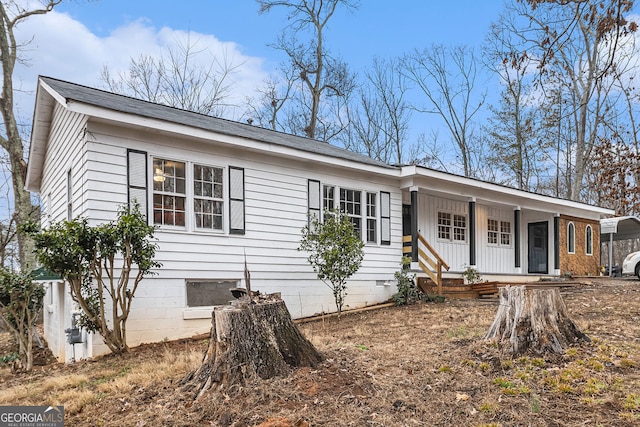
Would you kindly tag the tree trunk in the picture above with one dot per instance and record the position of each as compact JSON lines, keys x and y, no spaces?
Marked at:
{"x":254,"y":337}
{"x":533,"y":321}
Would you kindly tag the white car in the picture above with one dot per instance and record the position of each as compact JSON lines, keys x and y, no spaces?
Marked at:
{"x":631,"y":264}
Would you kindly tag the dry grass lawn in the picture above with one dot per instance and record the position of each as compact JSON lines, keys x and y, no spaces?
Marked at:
{"x":423,"y":365}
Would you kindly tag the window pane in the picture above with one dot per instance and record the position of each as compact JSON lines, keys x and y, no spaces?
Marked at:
{"x":371,"y":231}
{"x":208,"y":202}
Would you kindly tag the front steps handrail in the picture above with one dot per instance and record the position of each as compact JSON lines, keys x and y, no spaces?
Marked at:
{"x":429,"y":261}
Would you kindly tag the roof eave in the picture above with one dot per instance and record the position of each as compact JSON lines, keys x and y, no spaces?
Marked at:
{"x":42,"y":116}
{"x":412,"y":171}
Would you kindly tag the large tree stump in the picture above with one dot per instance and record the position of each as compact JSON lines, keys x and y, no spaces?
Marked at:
{"x":533,"y":321}
{"x":254,"y":337}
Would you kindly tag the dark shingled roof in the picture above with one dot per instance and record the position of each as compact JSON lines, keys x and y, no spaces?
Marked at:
{"x":125,"y":104}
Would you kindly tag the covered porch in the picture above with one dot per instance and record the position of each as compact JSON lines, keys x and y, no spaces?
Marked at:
{"x":452,"y":223}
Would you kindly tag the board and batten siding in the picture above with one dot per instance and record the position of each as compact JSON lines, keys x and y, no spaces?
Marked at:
{"x":494,"y":258}
{"x":456,"y":254}
{"x":276,"y":207}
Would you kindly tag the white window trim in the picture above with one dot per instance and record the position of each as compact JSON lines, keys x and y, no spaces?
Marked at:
{"x":363,"y":209}
{"x":376,"y":217}
{"x":571,"y":225}
{"x":499,"y":233}
{"x":452,"y":227}
{"x":497,"y":243}
{"x":588,"y":251}
{"x":191,"y":204}
{"x":510,"y":233}
{"x":189,"y":223}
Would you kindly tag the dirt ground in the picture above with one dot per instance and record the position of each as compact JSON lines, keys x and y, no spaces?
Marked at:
{"x":422,"y":365}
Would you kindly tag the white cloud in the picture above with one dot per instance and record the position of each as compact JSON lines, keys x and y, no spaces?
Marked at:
{"x":64,"y":48}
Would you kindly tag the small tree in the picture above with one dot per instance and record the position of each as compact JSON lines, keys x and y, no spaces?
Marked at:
{"x":335,"y":251}
{"x":86,"y":258}
{"x":21,"y":300}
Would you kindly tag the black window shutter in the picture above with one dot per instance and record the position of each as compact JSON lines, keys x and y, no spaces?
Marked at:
{"x":137,"y":180}
{"x":314,"y":200}
{"x":236,"y":200}
{"x":385,"y":218}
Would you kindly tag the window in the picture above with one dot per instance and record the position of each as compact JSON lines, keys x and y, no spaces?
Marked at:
{"x":328,"y":197}
{"x":460,"y":228}
{"x":571,"y":238}
{"x":205,"y":293}
{"x":492,"y":227}
{"x":452,"y":227}
{"x":372,"y":223}
{"x":208,"y":201}
{"x":444,"y":226}
{"x":169,"y":192}
{"x":505,"y":233}
{"x":589,"y":240}
{"x":351,"y":204}
{"x":498,"y":232}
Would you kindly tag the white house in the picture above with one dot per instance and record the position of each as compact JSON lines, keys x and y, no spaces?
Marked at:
{"x":219,"y":190}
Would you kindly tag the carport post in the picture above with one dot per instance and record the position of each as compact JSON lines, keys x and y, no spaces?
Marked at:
{"x":610,"y":254}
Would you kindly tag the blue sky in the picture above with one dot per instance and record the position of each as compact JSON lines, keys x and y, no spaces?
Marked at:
{"x":80,"y":37}
{"x":383,"y":28}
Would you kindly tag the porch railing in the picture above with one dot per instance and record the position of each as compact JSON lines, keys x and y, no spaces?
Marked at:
{"x":428,"y":259}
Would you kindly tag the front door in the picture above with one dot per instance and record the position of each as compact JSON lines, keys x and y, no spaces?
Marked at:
{"x":538,"y":247}
{"x":406,"y":220}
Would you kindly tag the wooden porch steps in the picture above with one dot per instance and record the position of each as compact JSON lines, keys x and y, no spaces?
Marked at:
{"x":457,"y":289}
{"x":451,"y":288}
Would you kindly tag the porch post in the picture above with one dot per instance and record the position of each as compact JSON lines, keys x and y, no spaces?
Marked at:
{"x":414,"y":224}
{"x":611,"y":254}
{"x":472,"y":232}
{"x":556,"y":243}
{"x":516,"y":237}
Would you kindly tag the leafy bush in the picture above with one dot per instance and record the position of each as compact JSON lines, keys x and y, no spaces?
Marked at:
{"x":21,"y":300}
{"x":408,"y":292}
{"x":90,"y":259}
{"x":472,"y":275}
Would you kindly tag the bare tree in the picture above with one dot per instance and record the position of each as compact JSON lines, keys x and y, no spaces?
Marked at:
{"x":178,"y":78}
{"x":577,"y":46}
{"x":267,"y":109}
{"x":447,"y":77}
{"x":378,"y":119}
{"x":321,"y":75}
{"x":517,"y":145}
{"x":13,"y":13}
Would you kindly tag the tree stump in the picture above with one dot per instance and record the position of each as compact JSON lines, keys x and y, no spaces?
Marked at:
{"x":533,"y":321}
{"x":252,"y":338}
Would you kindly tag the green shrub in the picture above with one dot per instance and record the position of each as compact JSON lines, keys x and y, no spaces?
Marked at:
{"x":408,"y":292}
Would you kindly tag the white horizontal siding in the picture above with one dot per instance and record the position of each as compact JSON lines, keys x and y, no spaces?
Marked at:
{"x":64,"y":151}
{"x":275,"y":213}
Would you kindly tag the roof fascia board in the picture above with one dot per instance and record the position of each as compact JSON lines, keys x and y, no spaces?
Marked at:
{"x":32,"y":182}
